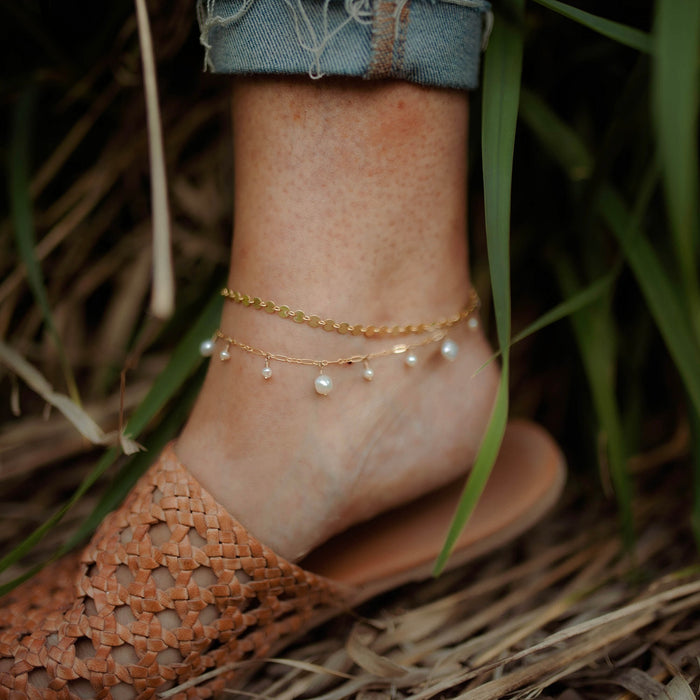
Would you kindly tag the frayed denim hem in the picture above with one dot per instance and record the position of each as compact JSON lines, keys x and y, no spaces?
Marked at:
{"x":430,"y":42}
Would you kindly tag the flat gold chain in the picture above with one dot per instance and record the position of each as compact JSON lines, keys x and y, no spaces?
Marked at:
{"x":369,"y":331}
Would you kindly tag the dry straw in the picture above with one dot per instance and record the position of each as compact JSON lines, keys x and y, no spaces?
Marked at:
{"x":163,"y":296}
{"x":563,"y":613}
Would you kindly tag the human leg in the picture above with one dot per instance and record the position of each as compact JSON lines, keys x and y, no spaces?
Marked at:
{"x":350,"y":204}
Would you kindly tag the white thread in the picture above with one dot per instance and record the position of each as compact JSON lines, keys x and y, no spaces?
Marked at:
{"x":316,"y":47}
{"x":488,"y":28}
{"x":360,"y":11}
{"x":400,"y":4}
{"x":207,"y":20}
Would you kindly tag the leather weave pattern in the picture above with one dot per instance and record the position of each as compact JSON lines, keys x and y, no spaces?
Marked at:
{"x":170,"y":587}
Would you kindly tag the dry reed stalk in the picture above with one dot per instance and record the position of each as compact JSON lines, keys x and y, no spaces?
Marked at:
{"x":163,"y":294}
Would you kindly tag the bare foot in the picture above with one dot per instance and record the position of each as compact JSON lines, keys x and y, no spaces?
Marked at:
{"x":295,"y":467}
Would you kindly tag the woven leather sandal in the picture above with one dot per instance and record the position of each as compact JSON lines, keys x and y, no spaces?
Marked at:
{"x":172,"y":587}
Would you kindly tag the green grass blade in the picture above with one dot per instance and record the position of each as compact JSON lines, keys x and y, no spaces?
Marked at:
{"x":666,"y":302}
{"x":664,"y":298}
{"x":694,"y":417}
{"x":562,"y":142}
{"x":488,"y":451}
{"x":557,"y":137}
{"x":502,"y":73}
{"x":668,"y":308}
{"x":629,"y":36}
{"x":575,"y":302}
{"x":36,"y":536}
{"x":183,"y":361}
{"x":501,"y":97}
{"x":675,"y":95}
{"x":594,"y":328}
{"x":23,"y":222}
{"x":566,"y":308}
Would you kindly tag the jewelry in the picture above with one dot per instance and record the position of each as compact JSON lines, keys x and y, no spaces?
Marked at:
{"x":369,"y":331}
{"x":323,"y":384}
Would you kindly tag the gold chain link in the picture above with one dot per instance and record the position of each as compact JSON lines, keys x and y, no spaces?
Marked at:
{"x":434,"y":337}
{"x":369,"y":331}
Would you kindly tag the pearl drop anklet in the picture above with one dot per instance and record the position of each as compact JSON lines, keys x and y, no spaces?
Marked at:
{"x":323,"y":384}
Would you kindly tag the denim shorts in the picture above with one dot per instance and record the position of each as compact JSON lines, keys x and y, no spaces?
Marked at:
{"x":430,"y":42}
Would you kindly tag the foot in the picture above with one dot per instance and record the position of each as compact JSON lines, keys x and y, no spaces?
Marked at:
{"x":170,"y":589}
{"x":295,"y":467}
{"x":349,"y":202}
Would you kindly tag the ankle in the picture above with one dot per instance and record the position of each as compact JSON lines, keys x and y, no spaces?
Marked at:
{"x":352,"y":196}
{"x":340,"y":458}
{"x":261,"y":335}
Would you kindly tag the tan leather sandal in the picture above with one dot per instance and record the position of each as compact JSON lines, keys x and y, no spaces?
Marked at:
{"x":172,"y":587}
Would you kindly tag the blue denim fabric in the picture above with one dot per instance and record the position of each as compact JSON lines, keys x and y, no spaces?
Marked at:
{"x":431,"y":42}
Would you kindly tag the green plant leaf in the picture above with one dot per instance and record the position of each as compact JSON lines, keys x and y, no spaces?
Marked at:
{"x":23,"y":222}
{"x":182,"y":362}
{"x":694,"y":417}
{"x":501,"y":91}
{"x":666,"y":301}
{"x":675,"y":101}
{"x":629,"y":36}
{"x":501,"y":97}
{"x":576,"y":301}
{"x":488,"y":452}
{"x":594,"y":328}
{"x":557,"y":137}
{"x":661,"y":292}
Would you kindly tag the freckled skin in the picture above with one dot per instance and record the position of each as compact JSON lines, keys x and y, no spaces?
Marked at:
{"x":350,"y":204}
{"x":367,"y":173}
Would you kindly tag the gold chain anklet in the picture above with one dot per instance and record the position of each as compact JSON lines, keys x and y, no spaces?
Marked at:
{"x":323,"y":384}
{"x":370,"y":331}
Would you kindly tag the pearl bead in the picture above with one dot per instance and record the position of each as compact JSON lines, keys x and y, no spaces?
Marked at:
{"x":368,"y":374}
{"x":323,"y":384}
{"x":473,"y":322}
{"x":266,"y":372}
{"x":206,"y":347}
{"x":411,"y":360}
{"x":224,"y":355}
{"x":449,"y":349}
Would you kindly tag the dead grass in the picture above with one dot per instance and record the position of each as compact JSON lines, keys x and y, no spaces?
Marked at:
{"x":564,"y":612}
{"x":561,"y":613}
